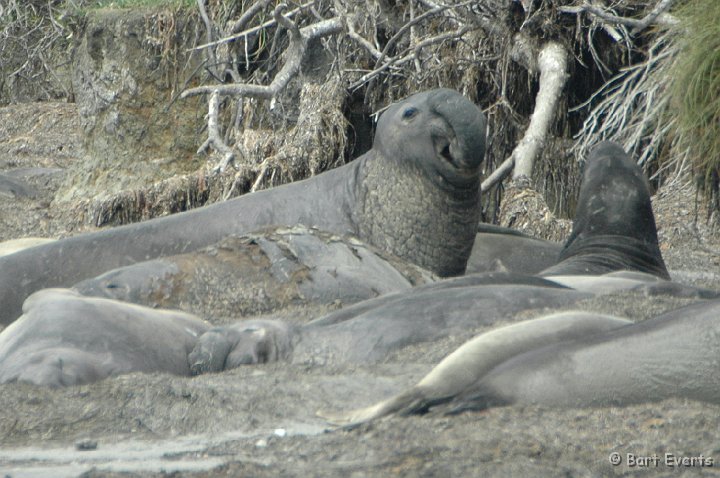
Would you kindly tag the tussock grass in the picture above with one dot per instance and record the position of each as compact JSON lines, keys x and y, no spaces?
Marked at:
{"x":695,"y":87}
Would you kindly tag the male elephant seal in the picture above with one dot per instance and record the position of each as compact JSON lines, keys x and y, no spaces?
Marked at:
{"x":414,"y":194}
{"x":63,"y":338}
{"x":614,"y":226}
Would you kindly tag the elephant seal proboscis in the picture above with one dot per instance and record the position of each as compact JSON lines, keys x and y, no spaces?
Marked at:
{"x":614,"y":226}
{"x":414,"y":194}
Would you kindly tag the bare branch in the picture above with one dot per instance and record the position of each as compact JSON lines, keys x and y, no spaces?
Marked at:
{"x":638,"y":25}
{"x":288,"y":24}
{"x":212,"y":61}
{"x":410,"y":56}
{"x":247,"y":16}
{"x":552,"y":63}
{"x":267,"y":24}
{"x":661,"y":7}
{"x":405,"y":28}
{"x":363,"y":42}
{"x":214,"y":138}
{"x":294,"y":55}
{"x":499,"y":174}
{"x":631,"y":107}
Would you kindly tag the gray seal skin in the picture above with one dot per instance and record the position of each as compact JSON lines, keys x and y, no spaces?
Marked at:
{"x":502,"y":249}
{"x":614,"y":226}
{"x":475,"y":358}
{"x":369,"y":331}
{"x":414,"y":194}
{"x":65,"y":339}
{"x":672,"y":355}
{"x":259,"y":273}
{"x":15,"y":245}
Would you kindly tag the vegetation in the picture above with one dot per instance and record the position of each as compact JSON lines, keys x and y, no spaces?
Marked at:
{"x":139,"y":3}
{"x":634,"y":75}
{"x":696,"y":86}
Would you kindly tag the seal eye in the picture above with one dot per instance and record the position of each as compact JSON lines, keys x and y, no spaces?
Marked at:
{"x":409,"y":112}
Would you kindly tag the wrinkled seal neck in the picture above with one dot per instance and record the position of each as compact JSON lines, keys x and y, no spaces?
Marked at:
{"x":403,"y":210}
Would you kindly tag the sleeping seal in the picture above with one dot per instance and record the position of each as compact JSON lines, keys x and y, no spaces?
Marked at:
{"x":672,"y":355}
{"x":414,"y":194}
{"x":475,"y":358}
{"x":64,"y":339}
{"x":262,"y":272}
{"x":570,"y":359}
{"x":614,"y":226}
{"x":61,"y":327}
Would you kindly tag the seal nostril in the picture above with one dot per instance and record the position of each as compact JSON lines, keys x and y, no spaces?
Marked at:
{"x":445,"y":153}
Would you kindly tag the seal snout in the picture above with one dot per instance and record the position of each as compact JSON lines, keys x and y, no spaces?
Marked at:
{"x":466,"y":144}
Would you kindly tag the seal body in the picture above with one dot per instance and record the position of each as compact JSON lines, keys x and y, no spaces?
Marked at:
{"x":614,"y":226}
{"x":368,"y":331}
{"x":262,"y":272}
{"x":672,"y":355}
{"x":16,"y":245}
{"x":63,"y":338}
{"x":414,"y":195}
{"x":502,"y":249}
{"x":474,"y":359}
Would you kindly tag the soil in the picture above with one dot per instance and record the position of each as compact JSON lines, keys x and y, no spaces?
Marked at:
{"x":260,"y":421}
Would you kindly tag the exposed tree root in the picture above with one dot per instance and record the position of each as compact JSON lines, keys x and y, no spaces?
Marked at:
{"x":552,"y":63}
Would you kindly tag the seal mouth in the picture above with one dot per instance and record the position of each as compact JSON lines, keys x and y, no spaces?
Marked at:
{"x":464,"y":130}
{"x":442,"y":149}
